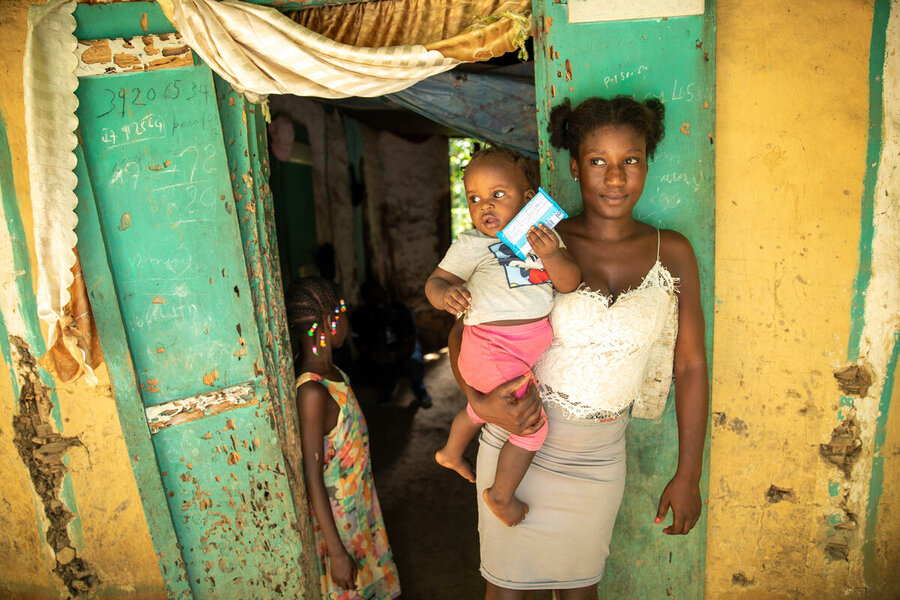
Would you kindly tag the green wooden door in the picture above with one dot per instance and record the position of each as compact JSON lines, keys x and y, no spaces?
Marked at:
{"x":167,"y":272}
{"x":672,"y":59}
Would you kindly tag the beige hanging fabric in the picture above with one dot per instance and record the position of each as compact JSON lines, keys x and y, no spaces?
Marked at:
{"x":260,"y":51}
{"x":50,"y":123}
{"x":469,"y":31}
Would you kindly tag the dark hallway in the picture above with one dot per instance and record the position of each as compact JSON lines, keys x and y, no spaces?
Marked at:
{"x":429,"y":512}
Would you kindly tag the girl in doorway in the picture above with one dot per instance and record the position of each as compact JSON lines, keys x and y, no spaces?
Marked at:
{"x":506,"y":302}
{"x":355,"y":560}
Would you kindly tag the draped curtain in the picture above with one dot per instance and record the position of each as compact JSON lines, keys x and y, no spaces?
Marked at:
{"x":470,"y":31}
{"x":367,"y":49}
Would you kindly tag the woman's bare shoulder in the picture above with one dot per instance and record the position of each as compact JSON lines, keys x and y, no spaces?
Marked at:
{"x":570,"y":227}
{"x":675,"y":251}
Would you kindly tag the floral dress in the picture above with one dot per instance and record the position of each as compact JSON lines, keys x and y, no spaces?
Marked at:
{"x":347,"y":473}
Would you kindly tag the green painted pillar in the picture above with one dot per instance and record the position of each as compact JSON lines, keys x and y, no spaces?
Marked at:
{"x":672,"y":59}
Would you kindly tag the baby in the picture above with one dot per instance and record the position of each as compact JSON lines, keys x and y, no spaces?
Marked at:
{"x":506,"y":301}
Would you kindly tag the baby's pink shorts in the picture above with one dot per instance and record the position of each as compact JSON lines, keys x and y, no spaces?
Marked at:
{"x":494,"y":354}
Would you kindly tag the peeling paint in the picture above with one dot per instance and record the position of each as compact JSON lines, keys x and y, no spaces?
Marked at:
{"x":210,"y":378}
{"x":143,"y":53}
{"x":42,"y":450}
{"x":854,"y":380}
{"x":197,"y":407}
{"x":844,"y":448}
{"x":779,"y":494}
{"x":97,"y":52}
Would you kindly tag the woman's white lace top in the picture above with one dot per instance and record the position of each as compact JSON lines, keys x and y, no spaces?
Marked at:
{"x":603,"y":355}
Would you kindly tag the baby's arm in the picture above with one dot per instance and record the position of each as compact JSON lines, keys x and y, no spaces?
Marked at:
{"x":561,"y":268}
{"x":312,"y":398}
{"x":446,"y":291}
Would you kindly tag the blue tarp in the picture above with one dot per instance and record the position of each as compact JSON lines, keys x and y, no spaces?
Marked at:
{"x":497,"y":108}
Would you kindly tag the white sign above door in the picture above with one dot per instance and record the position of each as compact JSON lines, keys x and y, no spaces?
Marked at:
{"x":589,"y":11}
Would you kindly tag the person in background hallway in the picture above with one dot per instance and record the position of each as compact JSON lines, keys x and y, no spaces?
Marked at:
{"x":384,"y":333}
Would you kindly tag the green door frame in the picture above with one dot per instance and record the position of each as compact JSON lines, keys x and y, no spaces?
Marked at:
{"x":124,"y":381}
{"x":672,"y":59}
{"x":243,"y":128}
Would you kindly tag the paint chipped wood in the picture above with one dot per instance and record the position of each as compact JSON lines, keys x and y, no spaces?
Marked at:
{"x":197,"y":407}
{"x":127,"y":55}
{"x":210,"y":378}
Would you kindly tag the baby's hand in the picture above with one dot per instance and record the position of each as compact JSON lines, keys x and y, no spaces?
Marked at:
{"x":543,"y":241}
{"x":457,"y":300}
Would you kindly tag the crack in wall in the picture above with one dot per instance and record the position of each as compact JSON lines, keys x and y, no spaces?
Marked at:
{"x":845,"y":446}
{"x":855,"y":380}
{"x":843,"y":450}
{"x":844,"y":536}
{"x":42,"y":450}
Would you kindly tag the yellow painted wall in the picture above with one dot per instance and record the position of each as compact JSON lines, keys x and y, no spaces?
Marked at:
{"x":887,"y":547}
{"x":792,"y":114}
{"x":792,"y":108}
{"x":116,"y":542}
{"x":24,"y":561}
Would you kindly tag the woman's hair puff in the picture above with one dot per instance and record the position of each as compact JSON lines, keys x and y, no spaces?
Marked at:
{"x":528,"y":166}
{"x":568,"y":127}
{"x":309,"y":299}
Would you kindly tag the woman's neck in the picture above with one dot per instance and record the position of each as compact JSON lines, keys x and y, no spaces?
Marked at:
{"x":610,"y":230}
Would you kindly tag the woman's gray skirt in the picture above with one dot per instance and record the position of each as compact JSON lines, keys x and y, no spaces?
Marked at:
{"x":573,"y":490}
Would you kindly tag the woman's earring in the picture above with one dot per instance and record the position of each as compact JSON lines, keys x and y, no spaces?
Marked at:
{"x":575,"y":177}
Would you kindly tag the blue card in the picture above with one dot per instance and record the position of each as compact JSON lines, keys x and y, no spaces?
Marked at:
{"x":540,"y":209}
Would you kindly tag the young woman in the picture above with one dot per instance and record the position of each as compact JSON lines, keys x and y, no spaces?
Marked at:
{"x":632,"y":273}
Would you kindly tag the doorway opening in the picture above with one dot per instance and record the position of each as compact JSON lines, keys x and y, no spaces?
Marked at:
{"x":461,"y":150}
{"x":387,"y":198}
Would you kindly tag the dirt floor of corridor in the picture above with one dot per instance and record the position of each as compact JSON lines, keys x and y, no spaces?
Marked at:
{"x":430,"y":512}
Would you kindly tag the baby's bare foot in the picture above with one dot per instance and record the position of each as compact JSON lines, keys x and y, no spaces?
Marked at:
{"x":456,"y":463}
{"x":509,"y":510}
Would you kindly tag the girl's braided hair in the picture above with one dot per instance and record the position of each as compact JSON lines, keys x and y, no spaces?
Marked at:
{"x":309,"y":299}
{"x":568,"y":127}
{"x":528,"y":166}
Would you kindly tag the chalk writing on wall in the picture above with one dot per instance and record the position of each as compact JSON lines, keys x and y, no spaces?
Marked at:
{"x":616,"y":78}
{"x":154,"y":148}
